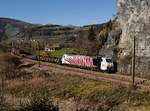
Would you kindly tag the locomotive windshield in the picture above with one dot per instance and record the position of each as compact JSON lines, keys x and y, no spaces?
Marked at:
{"x":108,"y":60}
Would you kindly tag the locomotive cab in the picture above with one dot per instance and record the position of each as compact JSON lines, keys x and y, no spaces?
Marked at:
{"x":107,"y":64}
{"x":63,"y":59}
{"x":97,"y":62}
{"x":100,"y":63}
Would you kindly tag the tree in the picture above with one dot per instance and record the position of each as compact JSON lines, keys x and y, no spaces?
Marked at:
{"x":104,"y":33}
{"x":92,"y":35}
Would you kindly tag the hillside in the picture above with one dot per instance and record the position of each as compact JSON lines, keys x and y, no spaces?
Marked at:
{"x":49,"y":31}
{"x":11,"y":30}
{"x":66,"y":36}
{"x":10,"y":27}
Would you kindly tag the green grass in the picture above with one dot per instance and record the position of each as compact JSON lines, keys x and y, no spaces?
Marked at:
{"x":60,"y":53}
{"x":90,"y":91}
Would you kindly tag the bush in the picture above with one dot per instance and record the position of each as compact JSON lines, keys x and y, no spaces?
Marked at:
{"x":39,"y":101}
{"x":4,"y":106}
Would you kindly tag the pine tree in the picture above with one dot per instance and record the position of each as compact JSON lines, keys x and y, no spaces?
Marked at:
{"x":92,"y":35}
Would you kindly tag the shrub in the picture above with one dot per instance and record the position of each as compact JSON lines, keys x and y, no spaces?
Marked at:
{"x":4,"y":106}
{"x":39,"y":101}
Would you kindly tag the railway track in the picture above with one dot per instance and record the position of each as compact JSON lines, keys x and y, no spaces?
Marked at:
{"x":141,"y":83}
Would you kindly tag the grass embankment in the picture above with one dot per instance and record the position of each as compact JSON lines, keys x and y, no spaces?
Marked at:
{"x":60,"y":53}
{"x":94,"y":96}
{"x":39,"y":87}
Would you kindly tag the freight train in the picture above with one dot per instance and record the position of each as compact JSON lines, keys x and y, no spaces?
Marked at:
{"x":99,"y":63}
{"x":104,"y":64}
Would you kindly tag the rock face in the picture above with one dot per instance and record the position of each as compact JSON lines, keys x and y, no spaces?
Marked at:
{"x":110,"y":47}
{"x":134,"y":20}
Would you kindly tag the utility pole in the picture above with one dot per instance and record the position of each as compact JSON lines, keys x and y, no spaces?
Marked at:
{"x":2,"y":91}
{"x":39,"y":52}
{"x":38,"y":48}
{"x":133,"y":62}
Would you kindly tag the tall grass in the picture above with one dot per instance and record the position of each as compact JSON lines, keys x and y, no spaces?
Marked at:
{"x":38,"y":101}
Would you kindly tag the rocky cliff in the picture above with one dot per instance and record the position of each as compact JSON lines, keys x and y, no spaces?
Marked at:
{"x":134,"y":20}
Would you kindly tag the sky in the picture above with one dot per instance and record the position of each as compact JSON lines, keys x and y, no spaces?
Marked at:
{"x":62,"y":12}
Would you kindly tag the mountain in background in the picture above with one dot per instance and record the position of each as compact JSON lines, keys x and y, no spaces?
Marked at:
{"x":10,"y":27}
{"x":66,"y":36}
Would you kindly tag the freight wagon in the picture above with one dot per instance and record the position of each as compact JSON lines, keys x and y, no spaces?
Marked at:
{"x":99,"y":63}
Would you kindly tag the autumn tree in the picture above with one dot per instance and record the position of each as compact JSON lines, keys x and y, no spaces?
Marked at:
{"x":103,"y":34}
